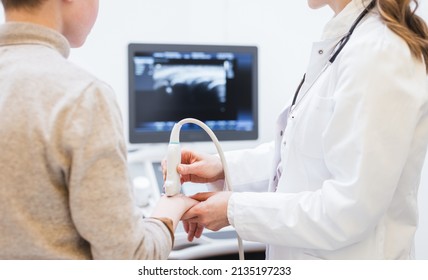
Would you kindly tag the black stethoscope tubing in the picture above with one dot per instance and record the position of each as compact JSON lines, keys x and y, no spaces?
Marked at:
{"x":340,"y":45}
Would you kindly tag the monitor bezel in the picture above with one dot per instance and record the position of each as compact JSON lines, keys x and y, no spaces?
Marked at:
{"x":190,"y":136}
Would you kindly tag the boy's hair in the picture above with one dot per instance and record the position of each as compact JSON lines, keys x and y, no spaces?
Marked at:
{"x":15,"y":4}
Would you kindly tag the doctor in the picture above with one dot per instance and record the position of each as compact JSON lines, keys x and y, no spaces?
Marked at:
{"x":348,"y":152}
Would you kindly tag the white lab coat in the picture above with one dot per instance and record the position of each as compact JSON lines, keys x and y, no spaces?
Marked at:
{"x":345,"y":168}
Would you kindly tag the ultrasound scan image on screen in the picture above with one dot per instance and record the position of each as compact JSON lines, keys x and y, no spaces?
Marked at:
{"x":215,"y":84}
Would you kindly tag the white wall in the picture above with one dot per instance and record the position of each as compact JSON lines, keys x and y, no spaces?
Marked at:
{"x":283,"y":30}
{"x":254,"y":22}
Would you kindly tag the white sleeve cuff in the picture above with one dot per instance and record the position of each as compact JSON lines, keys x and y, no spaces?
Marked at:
{"x":231,"y":210}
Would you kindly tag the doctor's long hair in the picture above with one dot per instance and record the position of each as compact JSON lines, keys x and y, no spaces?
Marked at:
{"x":400,"y":17}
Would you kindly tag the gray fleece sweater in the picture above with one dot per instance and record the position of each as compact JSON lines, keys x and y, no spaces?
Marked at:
{"x":64,"y":187}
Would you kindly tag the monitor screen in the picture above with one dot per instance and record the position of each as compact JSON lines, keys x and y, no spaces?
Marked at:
{"x":215,"y":84}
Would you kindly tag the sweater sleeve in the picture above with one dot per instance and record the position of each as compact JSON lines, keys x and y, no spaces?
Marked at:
{"x":100,"y":194}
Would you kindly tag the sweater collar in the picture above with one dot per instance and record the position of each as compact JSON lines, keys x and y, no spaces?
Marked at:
{"x":20,"y":33}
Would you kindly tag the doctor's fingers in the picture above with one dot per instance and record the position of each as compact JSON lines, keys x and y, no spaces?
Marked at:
{"x":205,"y":220}
{"x":193,"y":230}
{"x":198,"y":214}
{"x":190,"y":177}
{"x":194,"y":172}
{"x":202,"y":196}
{"x":186,"y":226}
{"x":187,"y":157}
{"x":193,"y":213}
{"x":184,"y":177}
{"x":205,"y":169}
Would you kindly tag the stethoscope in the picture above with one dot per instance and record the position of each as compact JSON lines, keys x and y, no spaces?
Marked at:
{"x":339,"y":47}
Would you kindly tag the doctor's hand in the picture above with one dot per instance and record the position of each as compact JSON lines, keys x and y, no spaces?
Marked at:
{"x":210,"y":213}
{"x":173,"y":207}
{"x":197,"y":167}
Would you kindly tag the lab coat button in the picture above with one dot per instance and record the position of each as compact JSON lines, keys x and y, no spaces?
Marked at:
{"x":281,"y":133}
{"x":320,"y":51}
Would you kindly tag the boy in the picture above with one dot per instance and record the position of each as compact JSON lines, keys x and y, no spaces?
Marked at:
{"x":64,"y":187}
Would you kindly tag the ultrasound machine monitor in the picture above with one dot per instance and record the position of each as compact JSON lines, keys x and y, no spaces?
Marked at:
{"x":213,"y":83}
